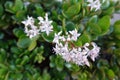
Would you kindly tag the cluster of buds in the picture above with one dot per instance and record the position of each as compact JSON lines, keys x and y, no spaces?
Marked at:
{"x":70,"y":53}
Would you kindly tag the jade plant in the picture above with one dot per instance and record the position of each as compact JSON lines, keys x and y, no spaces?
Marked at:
{"x":59,"y":40}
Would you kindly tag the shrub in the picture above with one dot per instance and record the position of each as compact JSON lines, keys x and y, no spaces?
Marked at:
{"x":32,"y":52}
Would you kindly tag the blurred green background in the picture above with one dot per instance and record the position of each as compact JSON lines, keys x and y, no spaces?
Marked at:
{"x":24,"y":59}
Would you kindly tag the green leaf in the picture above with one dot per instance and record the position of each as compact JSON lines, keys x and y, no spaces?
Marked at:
{"x":59,"y":63}
{"x":15,"y":50}
{"x":46,"y":75}
{"x":106,"y":4}
{"x":18,"y":5}
{"x":20,"y":15}
{"x":78,"y":43}
{"x":48,"y":38}
{"x":18,"y":32}
{"x":56,"y":27}
{"x":39,"y":58}
{"x":111,"y":74}
{"x":117,"y":27}
{"x":84,"y":38}
{"x":25,"y":60}
{"x":93,"y":19}
{"x":1,"y":9}
{"x":70,"y":26}
{"x":3,"y":71}
{"x":8,"y":6}
{"x":1,"y":35}
{"x":94,"y":30}
{"x":52,"y":61}
{"x":104,"y":24}
{"x":73,"y":10}
{"x":109,"y":11}
{"x":2,"y":55}
{"x":32,"y":45}
{"x":116,"y":30}
{"x":38,"y":10}
{"x":75,"y":68}
{"x":23,"y":43}
{"x":102,"y":63}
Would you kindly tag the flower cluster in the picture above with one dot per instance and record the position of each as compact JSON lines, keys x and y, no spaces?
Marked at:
{"x":65,"y":46}
{"x":78,"y":55}
{"x":30,"y":29}
{"x":94,"y":4}
{"x":44,"y":26}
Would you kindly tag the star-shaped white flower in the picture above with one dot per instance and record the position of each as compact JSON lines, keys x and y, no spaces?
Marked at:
{"x":32,"y":31}
{"x":94,"y":52}
{"x":57,"y":37}
{"x":85,"y":61}
{"x":94,"y":4}
{"x":29,"y":21}
{"x":74,"y":35}
{"x":45,"y":24}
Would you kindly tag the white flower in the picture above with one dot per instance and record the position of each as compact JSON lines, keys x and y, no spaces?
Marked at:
{"x":86,"y":49}
{"x":32,"y":33}
{"x":74,"y":34}
{"x":85,"y":61}
{"x":74,"y":50}
{"x":64,"y":49}
{"x":94,"y":52}
{"x":90,"y":1}
{"x":94,"y":4}
{"x":68,"y":38}
{"x":67,"y":57}
{"x":57,"y":37}
{"x":57,"y":49}
{"x":30,"y":29}
{"x":59,"y":0}
{"x":29,"y":21}
{"x":45,"y":24}
{"x":26,"y":3}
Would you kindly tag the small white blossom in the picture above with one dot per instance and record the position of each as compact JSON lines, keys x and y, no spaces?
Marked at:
{"x":26,"y":3}
{"x":57,"y":49}
{"x":85,"y":61}
{"x":94,"y":4}
{"x":32,"y":33}
{"x":57,"y":37}
{"x":59,"y":0}
{"x":86,"y":49}
{"x":94,"y":52}
{"x":30,"y":29}
{"x":68,"y":38}
{"x":45,"y":24}
{"x":64,"y":49}
{"x":74,"y":34}
{"x":67,"y":57}
{"x":29,"y":21}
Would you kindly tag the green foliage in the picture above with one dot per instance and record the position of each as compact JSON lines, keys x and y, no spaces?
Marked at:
{"x":22,"y":58}
{"x":72,"y":10}
{"x":104,"y":24}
